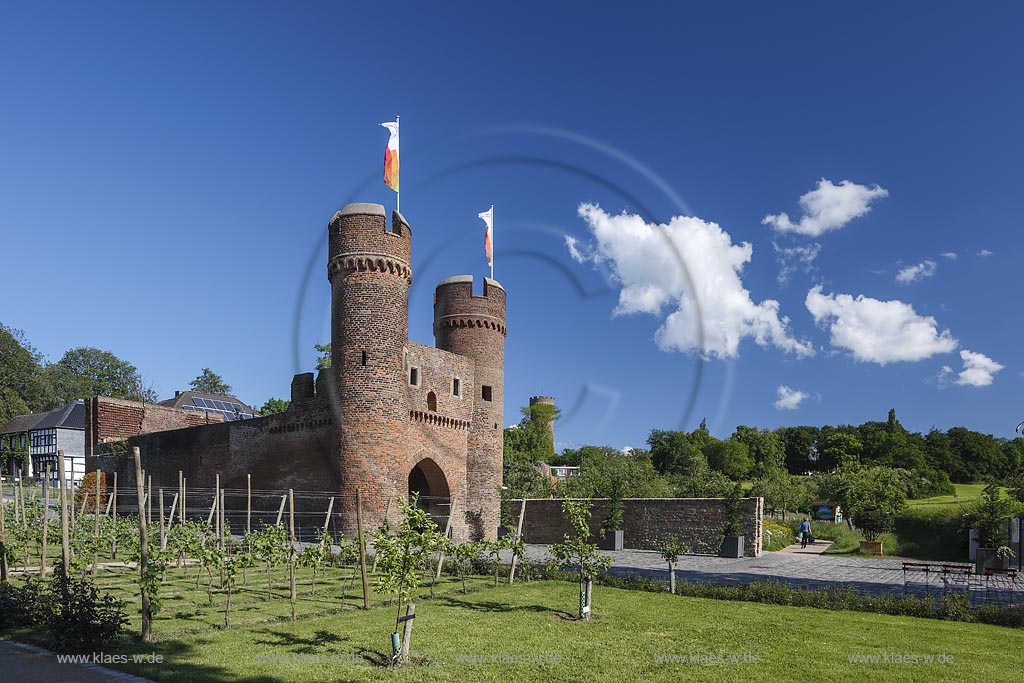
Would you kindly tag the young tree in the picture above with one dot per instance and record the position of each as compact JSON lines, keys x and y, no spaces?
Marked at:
{"x":401,"y":555}
{"x":315,"y":555}
{"x":268,"y":546}
{"x":575,"y":551}
{"x":670,"y":551}
{"x":209,"y":382}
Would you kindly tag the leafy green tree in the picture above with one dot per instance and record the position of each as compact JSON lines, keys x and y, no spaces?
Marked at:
{"x":323,"y":361}
{"x":273,"y":406}
{"x":209,"y":382}
{"x":85,"y":372}
{"x":316,"y":555}
{"x":870,"y":490}
{"x":837,"y":447}
{"x":531,"y":438}
{"x":989,"y":516}
{"x":782,"y":492}
{"x":22,"y":386}
{"x":730,"y":457}
{"x":607,"y":472}
{"x":576,"y":552}
{"x":799,"y":446}
{"x":764,"y":447}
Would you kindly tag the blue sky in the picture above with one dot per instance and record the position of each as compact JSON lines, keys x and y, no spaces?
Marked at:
{"x":167,"y":173}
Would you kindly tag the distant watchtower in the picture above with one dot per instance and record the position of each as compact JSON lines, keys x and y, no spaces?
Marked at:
{"x":474,"y":326}
{"x":370,"y":274}
{"x":547,"y":417}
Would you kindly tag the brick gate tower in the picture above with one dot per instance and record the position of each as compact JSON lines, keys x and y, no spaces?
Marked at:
{"x":411,"y":418}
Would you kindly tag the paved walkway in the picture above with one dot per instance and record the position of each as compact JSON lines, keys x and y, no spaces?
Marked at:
{"x":804,"y":569}
{"x":28,"y":664}
{"x":813,"y":548}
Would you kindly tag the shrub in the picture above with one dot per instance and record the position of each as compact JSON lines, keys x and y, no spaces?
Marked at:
{"x":872,"y":522}
{"x":781,"y":536}
{"x":82,"y":619}
{"x":24,"y":606}
{"x":931,"y":533}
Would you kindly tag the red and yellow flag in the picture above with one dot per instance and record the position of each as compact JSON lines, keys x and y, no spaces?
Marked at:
{"x":488,"y":219}
{"x":391,"y":156}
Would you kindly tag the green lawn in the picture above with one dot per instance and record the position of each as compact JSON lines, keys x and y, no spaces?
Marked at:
{"x":527,"y":633}
{"x":965,"y":493}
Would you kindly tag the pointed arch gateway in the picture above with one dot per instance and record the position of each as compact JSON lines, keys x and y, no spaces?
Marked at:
{"x":428,"y":481}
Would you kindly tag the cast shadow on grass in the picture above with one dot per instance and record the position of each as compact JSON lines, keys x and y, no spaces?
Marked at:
{"x":494,"y":606}
{"x":301,"y":644}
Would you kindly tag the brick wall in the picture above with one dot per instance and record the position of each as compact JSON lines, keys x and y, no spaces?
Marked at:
{"x":112,"y":419}
{"x":649,"y":522}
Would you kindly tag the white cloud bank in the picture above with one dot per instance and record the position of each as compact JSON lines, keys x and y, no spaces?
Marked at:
{"x":789,"y":399}
{"x":979,"y":370}
{"x":878,"y":331}
{"x":985,"y":252}
{"x":951,"y":255}
{"x":916,"y":272}
{"x":828,"y":207}
{"x":645,"y":259}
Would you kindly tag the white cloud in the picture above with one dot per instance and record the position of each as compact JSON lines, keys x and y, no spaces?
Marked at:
{"x":951,"y":255}
{"x":828,"y":207}
{"x":878,"y":331}
{"x":789,"y":399}
{"x":985,"y":252}
{"x":978,"y":370}
{"x":792,"y":259}
{"x":574,"y":252}
{"x":645,"y":259}
{"x":917,"y":272}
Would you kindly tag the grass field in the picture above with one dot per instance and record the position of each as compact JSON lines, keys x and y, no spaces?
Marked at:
{"x":965,"y":493}
{"x":527,"y":633}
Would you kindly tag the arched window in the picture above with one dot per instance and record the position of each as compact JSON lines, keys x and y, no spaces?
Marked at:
{"x":432,"y":402}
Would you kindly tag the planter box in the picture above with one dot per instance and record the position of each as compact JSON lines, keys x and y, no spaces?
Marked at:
{"x":732,"y":546}
{"x":873,"y":547}
{"x":610,"y":540}
{"x":986,"y":559}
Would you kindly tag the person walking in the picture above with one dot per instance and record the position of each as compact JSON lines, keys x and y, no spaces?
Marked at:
{"x":805,"y":532}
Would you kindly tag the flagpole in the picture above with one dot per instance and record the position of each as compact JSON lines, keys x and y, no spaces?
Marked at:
{"x":492,"y":241}
{"x":398,"y":193}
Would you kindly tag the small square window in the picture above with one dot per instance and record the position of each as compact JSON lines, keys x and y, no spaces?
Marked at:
{"x":485,"y":393}
{"x":456,"y":387}
{"x":414,"y":376}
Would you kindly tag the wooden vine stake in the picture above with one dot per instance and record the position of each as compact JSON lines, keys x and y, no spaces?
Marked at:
{"x":291,"y":548}
{"x":46,"y":521}
{"x":362,"y":548}
{"x":96,"y":525}
{"x":65,"y":545}
{"x":147,"y":617}
{"x":519,"y":535}
{"x":3,"y":546}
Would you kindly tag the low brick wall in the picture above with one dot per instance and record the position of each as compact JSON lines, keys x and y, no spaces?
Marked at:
{"x":649,"y":522}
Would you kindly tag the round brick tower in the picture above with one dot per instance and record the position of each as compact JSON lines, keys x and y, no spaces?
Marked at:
{"x":547,"y":419}
{"x":474,"y":326}
{"x":369,"y":270}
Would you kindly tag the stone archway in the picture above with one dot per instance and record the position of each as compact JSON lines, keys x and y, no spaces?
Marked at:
{"x":428,"y":481}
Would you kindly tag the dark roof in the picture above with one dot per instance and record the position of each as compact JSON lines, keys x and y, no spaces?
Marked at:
{"x":185,"y":398}
{"x":22,"y":423}
{"x":71,"y":416}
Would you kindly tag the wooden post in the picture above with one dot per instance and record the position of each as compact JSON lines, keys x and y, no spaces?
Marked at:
{"x":71,"y":500}
{"x":221,"y":516}
{"x":96,"y":525}
{"x":65,"y":545}
{"x":85,"y":499}
{"x":519,"y":535}
{"x":147,"y":626}
{"x":163,"y":530}
{"x":3,"y":532}
{"x":410,"y":613}
{"x":447,"y":532}
{"x":280,"y":510}
{"x":248,"y":503}
{"x":46,"y":521}
{"x":362,"y":547}
{"x":113,"y":519}
{"x":213,"y":508}
{"x":184,"y":499}
{"x":21,"y":489}
{"x":330,"y":508}
{"x":387,"y":509}
{"x":174,"y":509}
{"x":149,"y":499}
{"x":291,"y":547}
{"x":590,"y":591}
{"x":181,"y":494}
